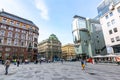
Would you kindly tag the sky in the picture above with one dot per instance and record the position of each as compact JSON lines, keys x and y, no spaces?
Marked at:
{"x":52,"y":16}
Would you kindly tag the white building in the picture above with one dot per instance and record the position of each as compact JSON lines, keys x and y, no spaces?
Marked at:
{"x":109,"y":12}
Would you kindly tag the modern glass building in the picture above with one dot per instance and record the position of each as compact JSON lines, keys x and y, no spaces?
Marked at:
{"x":104,"y":6}
{"x":88,"y":37}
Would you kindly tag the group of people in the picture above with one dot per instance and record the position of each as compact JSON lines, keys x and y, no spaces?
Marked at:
{"x":7,"y":64}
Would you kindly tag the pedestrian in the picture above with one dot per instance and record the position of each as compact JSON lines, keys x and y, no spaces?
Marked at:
{"x":7,"y":64}
{"x":14,"y":61}
{"x":62,"y":61}
{"x":83,"y":64}
{"x":40,"y":61}
{"x":18,"y":62}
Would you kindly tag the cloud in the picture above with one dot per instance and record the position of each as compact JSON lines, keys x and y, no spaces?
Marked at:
{"x":40,"y":5}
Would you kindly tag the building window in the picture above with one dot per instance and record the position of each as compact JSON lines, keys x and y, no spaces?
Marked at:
{"x":9,"y":41}
{"x":18,"y":24}
{"x":112,"y":40}
{"x":35,"y":45}
{"x":16,"y":41}
{"x":22,"y":43}
{"x":17,"y":30}
{"x":16,"y":35}
{"x":4,"y":20}
{"x":3,"y":26}
{"x":1,"y":40}
{"x":10,"y":34}
{"x":117,"y":38}
{"x":106,"y":16}
{"x":22,"y":36}
{"x":2,"y":33}
{"x":111,"y":14}
{"x":115,"y":30}
{"x":10,"y":28}
{"x":118,"y":9}
{"x":23,"y":31}
{"x":11,"y":22}
{"x":30,"y":38}
{"x":108,"y":24}
{"x":113,"y":21}
{"x":24,"y":26}
{"x":7,"y":49}
{"x":110,"y":31}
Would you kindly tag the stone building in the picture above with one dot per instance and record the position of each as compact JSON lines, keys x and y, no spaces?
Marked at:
{"x":68,"y":52}
{"x":50,"y":49}
{"x":18,"y":37}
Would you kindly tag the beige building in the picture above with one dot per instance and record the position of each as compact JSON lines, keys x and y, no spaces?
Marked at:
{"x":50,"y":49}
{"x":68,"y":52}
{"x":18,"y":37}
{"x":109,"y":12}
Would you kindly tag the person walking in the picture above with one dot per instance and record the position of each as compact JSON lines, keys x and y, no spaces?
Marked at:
{"x":83,"y":64}
{"x":7,"y":64}
{"x":18,"y":62}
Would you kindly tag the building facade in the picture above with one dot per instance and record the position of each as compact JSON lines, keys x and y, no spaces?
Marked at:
{"x":88,"y":37}
{"x":18,"y":37}
{"x":110,"y":21}
{"x":50,"y":49}
{"x":68,"y":52}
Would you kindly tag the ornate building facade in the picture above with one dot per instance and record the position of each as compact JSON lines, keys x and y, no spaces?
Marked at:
{"x":50,"y":48}
{"x":68,"y":52}
{"x":18,"y":37}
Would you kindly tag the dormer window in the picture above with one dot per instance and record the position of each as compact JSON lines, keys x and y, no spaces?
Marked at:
{"x":24,"y":26}
{"x":11,"y":22}
{"x":5,"y":19}
{"x":17,"y":23}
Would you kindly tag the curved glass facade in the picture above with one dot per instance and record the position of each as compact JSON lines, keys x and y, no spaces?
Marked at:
{"x":77,"y":24}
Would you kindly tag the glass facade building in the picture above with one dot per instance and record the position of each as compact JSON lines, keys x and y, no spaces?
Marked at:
{"x":88,"y":37}
{"x":104,"y":6}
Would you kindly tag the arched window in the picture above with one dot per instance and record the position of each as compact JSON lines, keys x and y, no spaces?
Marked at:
{"x":16,"y":42}
{"x":16,"y":35}
{"x":10,"y":34}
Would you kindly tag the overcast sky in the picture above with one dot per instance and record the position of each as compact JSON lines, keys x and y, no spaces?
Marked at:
{"x":52,"y":16}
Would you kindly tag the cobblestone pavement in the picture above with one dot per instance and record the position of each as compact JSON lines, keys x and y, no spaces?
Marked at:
{"x":59,"y":71}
